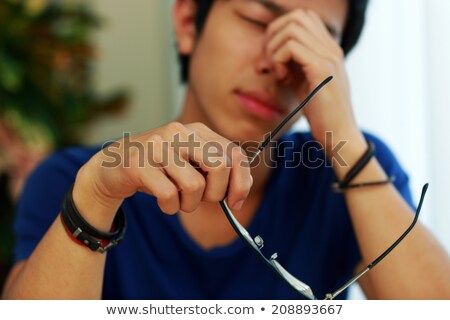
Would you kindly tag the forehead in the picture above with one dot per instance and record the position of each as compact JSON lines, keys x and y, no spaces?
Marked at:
{"x":333,"y":12}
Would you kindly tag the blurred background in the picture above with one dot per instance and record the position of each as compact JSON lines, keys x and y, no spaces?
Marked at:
{"x":83,"y":72}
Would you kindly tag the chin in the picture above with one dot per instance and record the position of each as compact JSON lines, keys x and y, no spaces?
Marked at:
{"x":246,"y":131}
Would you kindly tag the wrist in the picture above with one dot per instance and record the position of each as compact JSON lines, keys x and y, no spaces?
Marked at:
{"x":97,"y":209}
{"x":355,"y":147}
{"x":84,"y":233}
{"x":343,"y":150}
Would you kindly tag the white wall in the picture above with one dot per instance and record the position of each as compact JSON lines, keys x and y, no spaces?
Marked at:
{"x":438,"y":72}
{"x":133,"y":53}
{"x":399,"y":90}
{"x":388,"y":75}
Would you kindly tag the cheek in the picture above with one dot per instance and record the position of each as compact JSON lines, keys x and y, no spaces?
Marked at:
{"x":247,"y":41}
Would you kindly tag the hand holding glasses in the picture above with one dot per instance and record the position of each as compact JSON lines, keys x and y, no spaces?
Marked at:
{"x":257,"y":243}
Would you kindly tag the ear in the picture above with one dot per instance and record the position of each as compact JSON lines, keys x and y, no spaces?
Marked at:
{"x":183,"y":15}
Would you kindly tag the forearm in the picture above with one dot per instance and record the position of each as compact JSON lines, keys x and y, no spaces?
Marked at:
{"x":419,"y":267}
{"x":60,"y":268}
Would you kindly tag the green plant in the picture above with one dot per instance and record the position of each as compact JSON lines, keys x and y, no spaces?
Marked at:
{"x":46,"y":91}
{"x":46,"y":60}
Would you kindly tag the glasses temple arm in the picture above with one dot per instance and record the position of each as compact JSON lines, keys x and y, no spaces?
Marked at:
{"x":385,"y":253}
{"x":289,"y":117}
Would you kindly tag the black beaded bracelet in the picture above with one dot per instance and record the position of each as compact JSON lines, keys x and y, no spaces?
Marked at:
{"x":83,"y":233}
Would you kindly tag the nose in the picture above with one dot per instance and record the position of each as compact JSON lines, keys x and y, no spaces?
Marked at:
{"x":265,"y":67}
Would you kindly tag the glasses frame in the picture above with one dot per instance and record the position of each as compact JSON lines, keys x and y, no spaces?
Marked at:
{"x":257,"y":243}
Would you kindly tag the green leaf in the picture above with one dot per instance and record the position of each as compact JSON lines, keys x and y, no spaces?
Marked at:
{"x":11,"y":73}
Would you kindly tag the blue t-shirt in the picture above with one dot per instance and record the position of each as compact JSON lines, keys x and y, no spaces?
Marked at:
{"x":299,"y":217}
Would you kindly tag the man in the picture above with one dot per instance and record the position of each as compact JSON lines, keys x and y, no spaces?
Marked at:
{"x":249,"y":66}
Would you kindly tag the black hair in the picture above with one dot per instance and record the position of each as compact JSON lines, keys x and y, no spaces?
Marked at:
{"x":352,"y":31}
{"x":356,"y":17}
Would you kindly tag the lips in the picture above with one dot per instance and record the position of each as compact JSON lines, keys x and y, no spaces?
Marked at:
{"x":260,"y":105}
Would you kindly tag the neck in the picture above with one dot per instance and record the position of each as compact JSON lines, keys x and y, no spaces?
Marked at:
{"x":208,"y":225}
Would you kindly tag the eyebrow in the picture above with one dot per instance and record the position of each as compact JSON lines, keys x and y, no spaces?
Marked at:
{"x":272,"y":6}
{"x":280,"y":10}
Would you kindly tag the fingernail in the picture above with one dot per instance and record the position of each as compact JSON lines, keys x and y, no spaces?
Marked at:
{"x":238,"y":205}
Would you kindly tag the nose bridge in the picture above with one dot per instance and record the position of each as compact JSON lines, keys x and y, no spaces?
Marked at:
{"x":263,"y":62}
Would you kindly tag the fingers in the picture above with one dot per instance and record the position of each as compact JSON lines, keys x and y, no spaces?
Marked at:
{"x":211,"y":158}
{"x":181,"y":165}
{"x":294,"y":32}
{"x":301,"y":37}
{"x":157,"y":184}
{"x":307,"y":20}
{"x":200,"y":166}
{"x":240,"y":179}
{"x":189,"y":182}
{"x":232,"y":163}
{"x":294,"y":50}
{"x":321,"y":28}
{"x":298,"y":17}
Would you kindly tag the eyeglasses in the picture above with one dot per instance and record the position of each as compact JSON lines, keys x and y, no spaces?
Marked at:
{"x":257,"y":243}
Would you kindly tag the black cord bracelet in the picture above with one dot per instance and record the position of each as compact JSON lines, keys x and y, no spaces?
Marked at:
{"x":359,"y":165}
{"x":356,"y":169}
{"x":81,"y":231}
{"x":338,"y":189}
{"x":345,"y":184}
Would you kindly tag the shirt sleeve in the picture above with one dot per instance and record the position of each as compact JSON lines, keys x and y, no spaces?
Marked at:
{"x":40,"y":201}
{"x":392,"y":168}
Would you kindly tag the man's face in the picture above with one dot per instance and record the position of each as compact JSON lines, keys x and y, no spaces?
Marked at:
{"x":233,"y":86}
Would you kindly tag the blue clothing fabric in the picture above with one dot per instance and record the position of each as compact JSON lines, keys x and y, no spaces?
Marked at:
{"x":299,"y":217}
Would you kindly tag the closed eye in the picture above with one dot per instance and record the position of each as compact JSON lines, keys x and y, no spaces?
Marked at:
{"x":255,"y":22}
